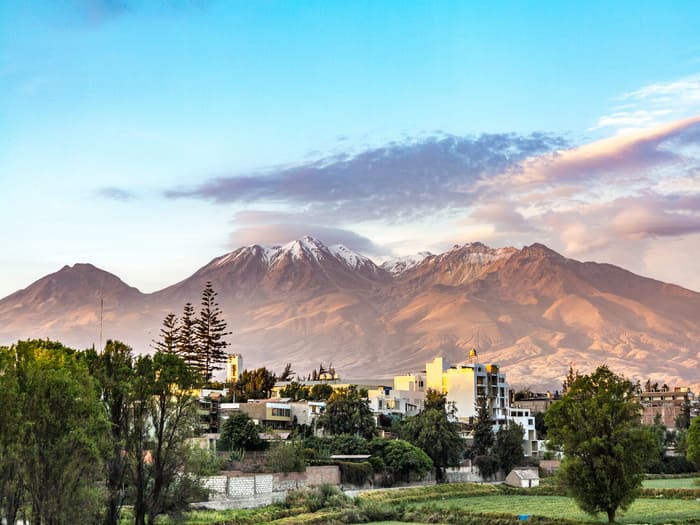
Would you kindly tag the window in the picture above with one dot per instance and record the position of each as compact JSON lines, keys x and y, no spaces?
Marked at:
{"x":281,"y":412}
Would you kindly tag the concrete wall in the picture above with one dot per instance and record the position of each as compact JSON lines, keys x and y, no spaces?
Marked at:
{"x":245,"y":486}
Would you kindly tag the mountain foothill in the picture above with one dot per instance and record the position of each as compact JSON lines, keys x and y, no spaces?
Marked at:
{"x":531,"y":310}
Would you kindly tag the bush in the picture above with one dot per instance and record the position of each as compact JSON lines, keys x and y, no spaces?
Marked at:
{"x":671,"y":465}
{"x":357,"y":474}
{"x":487,"y":465}
{"x":349,"y":444}
{"x":312,"y":500}
{"x":286,"y":458}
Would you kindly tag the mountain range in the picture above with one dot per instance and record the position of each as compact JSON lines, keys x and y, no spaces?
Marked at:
{"x":531,"y":310}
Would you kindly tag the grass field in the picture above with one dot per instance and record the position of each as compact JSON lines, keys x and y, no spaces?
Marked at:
{"x":672,"y":483}
{"x":641,"y":511}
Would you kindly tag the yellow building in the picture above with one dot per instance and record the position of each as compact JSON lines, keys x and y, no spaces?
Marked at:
{"x":465,"y":383}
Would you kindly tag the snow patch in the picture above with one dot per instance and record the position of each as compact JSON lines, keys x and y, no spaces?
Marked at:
{"x":398,"y":265}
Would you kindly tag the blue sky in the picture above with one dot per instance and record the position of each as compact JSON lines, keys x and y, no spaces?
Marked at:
{"x":148,"y":137}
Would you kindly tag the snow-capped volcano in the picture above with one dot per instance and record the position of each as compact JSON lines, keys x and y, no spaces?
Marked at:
{"x":531,"y":310}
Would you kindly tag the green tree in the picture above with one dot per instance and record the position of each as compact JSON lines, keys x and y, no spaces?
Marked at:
{"x":483,"y":430}
{"x":239,"y":433}
{"x":169,"y":335}
{"x":692,"y":442}
{"x":114,"y":371}
{"x":435,"y":399}
{"x":11,"y":481}
{"x":683,"y":420}
{"x":597,"y":424}
{"x":320,"y":392}
{"x":404,"y":459}
{"x":286,"y":457}
{"x":62,"y":433}
{"x":170,"y":414}
{"x":187,"y":338}
{"x":508,"y":447}
{"x":347,"y":413}
{"x":287,"y":374}
{"x":254,"y":384}
{"x":296,"y":391}
{"x":434,"y":433}
{"x":211,"y":330}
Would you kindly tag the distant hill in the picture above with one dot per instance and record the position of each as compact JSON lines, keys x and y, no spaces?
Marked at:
{"x":531,"y":310}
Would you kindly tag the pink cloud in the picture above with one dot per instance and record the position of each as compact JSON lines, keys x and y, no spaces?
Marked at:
{"x":630,"y":153}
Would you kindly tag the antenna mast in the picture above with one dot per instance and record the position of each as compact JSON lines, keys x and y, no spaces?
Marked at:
{"x":102,"y":304}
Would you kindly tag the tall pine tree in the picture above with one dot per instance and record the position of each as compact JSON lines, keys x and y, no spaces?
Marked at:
{"x":169,"y":336}
{"x":210,"y":330}
{"x":187,"y":346}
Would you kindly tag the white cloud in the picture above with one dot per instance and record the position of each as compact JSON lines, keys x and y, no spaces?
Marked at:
{"x":653,"y":104}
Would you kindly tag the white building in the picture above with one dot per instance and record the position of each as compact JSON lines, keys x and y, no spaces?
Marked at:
{"x":523,"y":417}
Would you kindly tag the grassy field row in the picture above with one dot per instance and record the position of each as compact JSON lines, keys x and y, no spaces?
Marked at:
{"x":450,"y":503}
{"x":672,"y":483}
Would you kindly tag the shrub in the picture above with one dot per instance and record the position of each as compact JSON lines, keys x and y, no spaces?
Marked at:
{"x":356,"y":474}
{"x":487,"y":465}
{"x":286,"y":458}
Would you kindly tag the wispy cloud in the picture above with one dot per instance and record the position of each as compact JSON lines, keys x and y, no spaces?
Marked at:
{"x":117,"y":194}
{"x":654,"y":104}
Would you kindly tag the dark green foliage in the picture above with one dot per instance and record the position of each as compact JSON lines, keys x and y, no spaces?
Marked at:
{"x":404,"y":459}
{"x":347,"y":413}
{"x":437,"y":436}
{"x":320,"y":392}
{"x":540,"y":425}
{"x":210,"y":329}
{"x":163,"y":404}
{"x":508,"y":448}
{"x":488,"y":466}
{"x":683,"y":420}
{"x":114,"y":372}
{"x":435,"y":400}
{"x":357,"y":474}
{"x":597,"y":425}
{"x":295,"y":390}
{"x":693,"y":442}
{"x":287,"y":373}
{"x":254,"y":384}
{"x":169,"y":335}
{"x":187,"y":346}
{"x":11,"y":479}
{"x":239,"y":433}
{"x":483,"y":430}
{"x":349,"y":444}
{"x":285,"y":458}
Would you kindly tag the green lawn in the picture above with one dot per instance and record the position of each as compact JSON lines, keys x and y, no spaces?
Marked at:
{"x":672,"y":483}
{"x":641,"y":511}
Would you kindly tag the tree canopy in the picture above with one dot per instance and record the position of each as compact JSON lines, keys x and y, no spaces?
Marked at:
{"x":597,"y":425}
{"x":347,"y":413}
{"x":434,"y":433}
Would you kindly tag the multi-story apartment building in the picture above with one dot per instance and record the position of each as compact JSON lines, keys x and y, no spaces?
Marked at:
{"x":466,"y":383}
{"x":669,"y":404}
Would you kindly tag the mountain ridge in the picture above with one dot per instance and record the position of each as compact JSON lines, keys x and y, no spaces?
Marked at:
{"x":532,"y":310}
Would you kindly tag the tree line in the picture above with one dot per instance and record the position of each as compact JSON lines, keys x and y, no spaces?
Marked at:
{"x":84,"y":432}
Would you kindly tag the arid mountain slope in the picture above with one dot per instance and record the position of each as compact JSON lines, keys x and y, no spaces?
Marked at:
{"x":531,"y":310}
